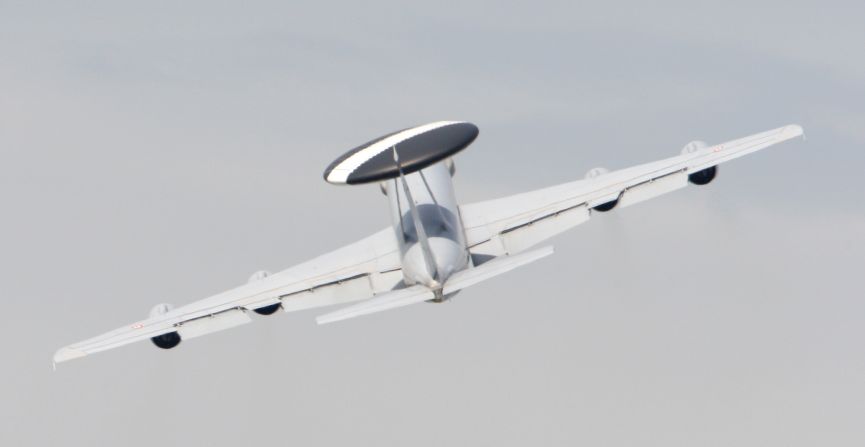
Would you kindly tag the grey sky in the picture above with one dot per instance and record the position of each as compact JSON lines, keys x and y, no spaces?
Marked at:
{"x":160,"y":152}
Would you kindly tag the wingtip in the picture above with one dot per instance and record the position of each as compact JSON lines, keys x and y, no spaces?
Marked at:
{"x":66,"y":354}
{"x":326,"y":319}
{"x":794,"y":130}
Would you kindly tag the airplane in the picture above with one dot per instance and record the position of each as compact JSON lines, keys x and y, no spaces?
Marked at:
{"x":435,"y":247}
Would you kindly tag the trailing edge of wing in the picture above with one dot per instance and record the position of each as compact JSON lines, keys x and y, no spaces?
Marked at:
{"x":352,"y":273}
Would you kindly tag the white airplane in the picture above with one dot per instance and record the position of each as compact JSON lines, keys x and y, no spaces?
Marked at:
{"x":435,"y":247}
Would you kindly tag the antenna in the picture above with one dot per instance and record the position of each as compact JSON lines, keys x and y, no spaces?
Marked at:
{"x":418,"y":226}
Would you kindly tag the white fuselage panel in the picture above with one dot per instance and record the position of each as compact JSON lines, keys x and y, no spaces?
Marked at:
{"x":433,"y":194}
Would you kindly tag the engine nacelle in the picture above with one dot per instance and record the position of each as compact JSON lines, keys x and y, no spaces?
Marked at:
{"x":596,"y":172}
{"x":259,"y":275}
{"x":164,"y":341}
{"x":703,"y":177}
{"x":268,"y":310}
{"x":694,"y":146}
{"x":161,"y":309}
{"x":706,"y":175}
{"x":604,"y":207}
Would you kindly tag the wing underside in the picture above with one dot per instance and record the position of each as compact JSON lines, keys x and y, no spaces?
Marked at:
{"x":356,"y":272}
{"x":512,"y":224}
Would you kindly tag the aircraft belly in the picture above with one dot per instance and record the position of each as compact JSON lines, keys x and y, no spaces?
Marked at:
{"x":435,"y":205}
{"x":448,"y":258}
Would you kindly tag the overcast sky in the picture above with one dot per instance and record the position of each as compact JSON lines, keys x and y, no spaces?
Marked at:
{"x":162,"y":151}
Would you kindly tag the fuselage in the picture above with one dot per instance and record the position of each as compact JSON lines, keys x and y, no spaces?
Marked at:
{"x":444,"y":252}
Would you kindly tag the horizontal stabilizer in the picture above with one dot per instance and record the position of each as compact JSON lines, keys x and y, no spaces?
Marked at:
{"x":386,"y":301}
{"x":419,"y":293}
{"x":497,"y":266}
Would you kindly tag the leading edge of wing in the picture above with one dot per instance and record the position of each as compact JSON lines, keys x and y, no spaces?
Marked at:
{"x":370,"y":256}
{"x":484,"y":220}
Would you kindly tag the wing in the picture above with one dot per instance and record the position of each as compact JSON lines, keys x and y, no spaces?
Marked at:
{"x":355,"y":272}
{"x":512,"y":224}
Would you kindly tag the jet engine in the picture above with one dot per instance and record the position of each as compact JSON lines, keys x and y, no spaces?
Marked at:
{"x":604,"y":207}
{"x":166,"y":341}
{"x":259,"y":275}
{"x":706,"y":175}
{"x":694,"y":146}
{"x":268,"y":310}
{"x":596,"y":172}
{"x":169,"y":340}
{"x":703,"y":177}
